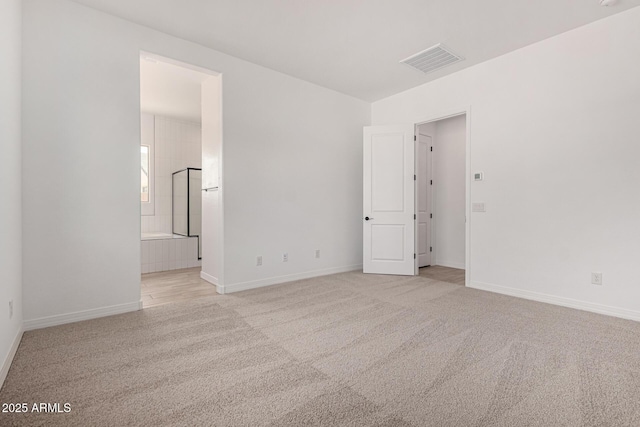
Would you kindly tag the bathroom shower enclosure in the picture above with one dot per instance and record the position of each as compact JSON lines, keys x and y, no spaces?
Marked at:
{"x":187,"y":204}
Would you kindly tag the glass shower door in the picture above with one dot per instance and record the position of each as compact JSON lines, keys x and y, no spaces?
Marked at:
{"x":187,"y":204}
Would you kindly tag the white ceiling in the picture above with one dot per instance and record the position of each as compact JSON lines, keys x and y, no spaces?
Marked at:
{"x":170,"y":90}
{"x":353,"y":46}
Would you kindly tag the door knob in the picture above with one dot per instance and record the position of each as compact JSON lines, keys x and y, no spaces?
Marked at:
{"x":366,"y":218}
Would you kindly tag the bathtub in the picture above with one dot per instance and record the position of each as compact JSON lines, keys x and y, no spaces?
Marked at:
{"x":155,"y":236}
{"x":164,"y":252}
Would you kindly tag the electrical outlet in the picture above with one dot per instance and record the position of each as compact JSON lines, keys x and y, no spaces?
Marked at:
{"x":285,"y":257}
{"x":10,"y":309}
{"x":596,"y":278}
{"x":317,"y":253}
{"x":259,"y":261}
{"x":478,"y":207}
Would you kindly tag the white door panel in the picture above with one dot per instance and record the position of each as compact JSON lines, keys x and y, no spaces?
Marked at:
{"x":423,"y":199}
{"x":388,"y":216}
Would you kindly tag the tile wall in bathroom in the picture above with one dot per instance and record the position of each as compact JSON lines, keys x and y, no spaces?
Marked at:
{"x":177,"y":145}
{"x":169,"y":254}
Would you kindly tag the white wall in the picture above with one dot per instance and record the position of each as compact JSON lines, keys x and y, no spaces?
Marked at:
{"x":292,"y":162}
{"x":292,"y":179}
{"x":10,"y":182}
{"x":449,"y":145}
{"x":554,"y":127}
{"x":212,"y":211}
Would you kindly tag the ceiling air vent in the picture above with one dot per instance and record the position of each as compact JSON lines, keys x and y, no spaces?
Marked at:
{"x":432,"y":59}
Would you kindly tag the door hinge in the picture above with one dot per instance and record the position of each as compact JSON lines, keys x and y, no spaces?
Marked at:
{"x":430,"y":215}
{"x":414,"y":256}
{"x":431,"y":148}
{"x":414,"y":137}
{"x":414,"y":177}
{"x":430,"y":248}
{"x":414,"y":216}
{"x":431,"y":182}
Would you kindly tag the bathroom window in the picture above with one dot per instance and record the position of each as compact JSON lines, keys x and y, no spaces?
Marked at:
{"x":145,"y":174}
{"x":147,"y":167}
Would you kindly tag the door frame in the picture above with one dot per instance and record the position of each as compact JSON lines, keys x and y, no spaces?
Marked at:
{"x":467,"y":225}
{"x":218,"y":256}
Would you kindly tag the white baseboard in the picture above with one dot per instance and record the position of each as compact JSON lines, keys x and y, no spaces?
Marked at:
{"x":243,"y":286}
{"x":61,"y":319}
{"x":451,"y":264}
{"x":9,"y":359}
{"x":556,"y":300}
{"x":213,"y":280}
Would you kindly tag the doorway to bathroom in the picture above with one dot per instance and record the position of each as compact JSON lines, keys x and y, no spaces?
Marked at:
{"x":172,"y":180}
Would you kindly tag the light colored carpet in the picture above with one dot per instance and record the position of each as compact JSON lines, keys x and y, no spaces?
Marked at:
{"x":348,"y":349}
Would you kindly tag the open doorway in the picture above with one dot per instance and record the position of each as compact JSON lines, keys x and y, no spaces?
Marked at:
{"x":441,"y":198}
{"x":394,"y":195}
{"x":172,"y":181}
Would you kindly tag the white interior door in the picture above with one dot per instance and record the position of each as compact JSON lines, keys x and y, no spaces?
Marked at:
{"x":423,"y":199}
{"x":389,"y":200}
